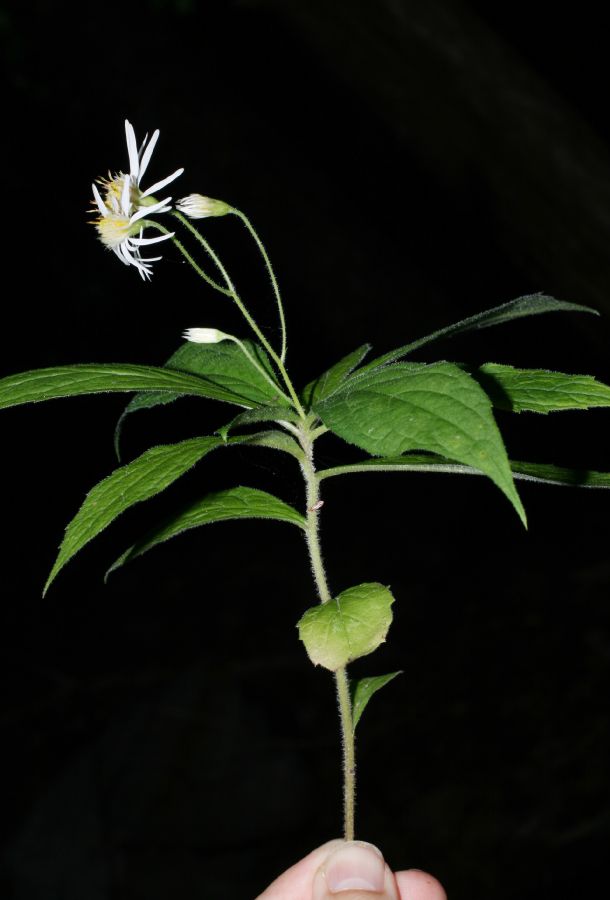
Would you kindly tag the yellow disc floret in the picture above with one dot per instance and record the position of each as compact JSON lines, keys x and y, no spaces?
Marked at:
{"x":113,"y":229}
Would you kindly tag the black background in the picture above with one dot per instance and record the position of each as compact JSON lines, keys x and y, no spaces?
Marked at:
{"x":407,"y":164}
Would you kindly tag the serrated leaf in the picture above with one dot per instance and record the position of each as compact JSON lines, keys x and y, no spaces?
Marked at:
{"x":141,"y":479}
{"x":412,"y":406}
{"x":327,"y":383}
{"x":260,"y":414}
{"x":225,"y":368}
{"x":362,"y":691}
{"x":538,"y":390}
{"x":352,"y":625}
{"x":545,"y":473}
{"x":234,"y":503}
{"x":529,"y":305}
{"x":92,"y":378}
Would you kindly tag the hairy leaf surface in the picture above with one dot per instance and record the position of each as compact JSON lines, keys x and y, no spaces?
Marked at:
{"x":234,"y":503}
{"x":362,"y":691}
{"x":224,"y":368}
{"x":538,"y":390}
{"x":91,"y":378}
{"x":141,"y":479}
{"x":529,"y":305}
{"x":352,"y":625}
{"x":260,"y":414}
{"x":327,"y":383}
{"x":437,"y":407}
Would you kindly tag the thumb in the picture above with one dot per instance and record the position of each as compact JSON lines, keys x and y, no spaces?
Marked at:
{"x":354,"y":871}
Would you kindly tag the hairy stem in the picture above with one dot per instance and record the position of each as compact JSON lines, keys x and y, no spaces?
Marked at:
{"x":341,"y":680}
{"x":189,"y":259}
{"x":246,"y":314}
{"x":270,"y":272}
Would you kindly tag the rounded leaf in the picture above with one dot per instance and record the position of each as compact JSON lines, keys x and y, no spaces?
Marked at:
{"x":352,"y":625}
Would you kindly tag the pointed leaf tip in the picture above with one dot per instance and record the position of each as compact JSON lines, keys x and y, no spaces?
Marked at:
{"x":363,"y":690}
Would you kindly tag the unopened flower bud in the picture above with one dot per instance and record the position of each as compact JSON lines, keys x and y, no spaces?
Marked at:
{"x":206,"y":335}
{"x":196,"y":206}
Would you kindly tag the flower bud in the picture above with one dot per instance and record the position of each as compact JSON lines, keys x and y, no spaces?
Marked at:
{"x":205,"y":335}
{"x":196,"y":206}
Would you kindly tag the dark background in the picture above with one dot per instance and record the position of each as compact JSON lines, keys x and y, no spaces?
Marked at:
{"x":408,"y":163}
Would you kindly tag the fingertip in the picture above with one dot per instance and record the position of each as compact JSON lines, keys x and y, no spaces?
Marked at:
{"x":417,"y":885}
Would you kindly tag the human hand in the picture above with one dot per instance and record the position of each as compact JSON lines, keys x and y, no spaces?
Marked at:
{"x":351,"y":870}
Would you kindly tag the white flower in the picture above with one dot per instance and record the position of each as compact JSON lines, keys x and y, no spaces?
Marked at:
{"x":124,"y":205}
{"x":196,"y":206}
{"x":206,"y":335}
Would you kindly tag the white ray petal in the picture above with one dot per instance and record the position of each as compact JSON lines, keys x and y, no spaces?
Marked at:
{"x":132,"y":149}
{"x":98,"y":199}
{"x":125,"y":203}
{"x":150,"y":210}
{"x":161,"y":184}
{"x":119,"y":252}
{"x":141,"y":242}
{"x":147,"y":154}
{"x":142,"y":145}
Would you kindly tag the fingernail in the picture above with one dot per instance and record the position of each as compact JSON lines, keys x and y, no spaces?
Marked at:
{"x":355,"y":866}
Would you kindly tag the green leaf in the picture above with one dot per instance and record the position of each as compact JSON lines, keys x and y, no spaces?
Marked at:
{"x":529,"y":305}
{"x":327,"y":383}
{"x":91,"y":378}
{"x":544,"y":473}
{"x":260,"y":414}
{"x":275,"y":440}
{"x":352,"y":625}
{"x":538,"y":390}
{"x":225,"y":368}
{"x":234,"y":503}
{"x":548,"y":474}
{"x":362,"y":691}
{"x":412,"y":406}
{"x":141,"y":479}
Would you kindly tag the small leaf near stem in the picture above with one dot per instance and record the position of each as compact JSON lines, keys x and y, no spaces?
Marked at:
{"x":351,"y":625}
{"x":363,"y":689}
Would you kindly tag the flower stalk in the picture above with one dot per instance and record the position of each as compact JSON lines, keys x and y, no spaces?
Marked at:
{"x":271,"y":273}
{"x":231,"y":291}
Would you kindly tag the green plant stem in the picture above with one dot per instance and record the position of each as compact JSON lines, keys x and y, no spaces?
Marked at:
{"x":271,"y":273}
{"x":257,"y":365}
{"x":452,"y":468}
{"x":349,"y":752}
{"x":189,"y":258}
{"x":312,"y":536}
{"x":244,"y":311}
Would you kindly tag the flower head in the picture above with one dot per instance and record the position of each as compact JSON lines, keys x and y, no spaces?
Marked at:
{"x":124,"y":207}
{"x":196,"y":206}
{"x":206,"y":335}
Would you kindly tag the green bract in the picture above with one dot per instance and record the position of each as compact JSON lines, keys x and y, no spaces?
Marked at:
{"x":352,"y":625}
{"x":363,"y":690}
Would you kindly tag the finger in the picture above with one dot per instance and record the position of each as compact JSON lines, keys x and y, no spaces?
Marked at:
{"x":417,"y":885}
{"x":354,"y":871}
{"x":295,"y":883}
